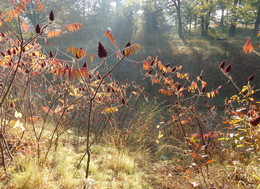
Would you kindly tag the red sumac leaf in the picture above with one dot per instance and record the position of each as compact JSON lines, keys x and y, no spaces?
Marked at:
{"x":179,"y":87}
{"x":51,"y":16}
{"x":174,"y":69}
{"x":222,"y":64}
{"x":123,"y":101}
{"x":203,"y":89}
{"x":255,"y":121}
{"x":85,"y":65}
{"x":38,"y":29}
{"x":150,"y":71}
{"x":2,"y":34}
{"x":102,"y":53}
{"x":251,"y":77}
{"x":26,"y":71}
{"x":51,"y":54}
{"x":12,"y":105}
{"x":228,"y":68}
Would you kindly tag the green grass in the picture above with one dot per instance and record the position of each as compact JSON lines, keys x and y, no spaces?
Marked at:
{"x":109,"y":168}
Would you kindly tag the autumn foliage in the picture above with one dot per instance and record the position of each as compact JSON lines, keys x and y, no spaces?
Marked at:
{"x":80,"y":94}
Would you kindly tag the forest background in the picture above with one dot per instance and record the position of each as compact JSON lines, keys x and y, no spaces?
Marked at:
{"x":173,"y":82}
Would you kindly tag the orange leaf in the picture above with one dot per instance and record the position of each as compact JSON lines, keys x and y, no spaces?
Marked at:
{"x":155,"y":81}
{"x":77,"y":52}
{"x":107,"y":33}
{"x":33,"y":118}
{"x":196,"y":156}
{"x":74,"y":73}
{"x":69,"y":73}
{"x":46,"y":109}
{"x":73,"y":27}
{"x":60,"y":71}
{"x":248,"y":47}
{"x":146,"y":65}
{"x":169,"y":81}
{"x":128,"y":51}
{"x":209,"y":161}
{"x":161,"y":66}
{"x":54,"y":33}
{"x":84,"y":72}
{"x":111,"y":37}
{"x":40,"y":6}
{"x":184,"y":122}
{"x":192,"y":87}
{"x":25,"y":26}
{"x":165,"y":92}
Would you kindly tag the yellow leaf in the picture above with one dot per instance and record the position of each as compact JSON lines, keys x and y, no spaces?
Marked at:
{"x":17,"y":114}
{"x":12,"y":123}
{"x":75,"y":92}
{"x":182,"y":76}
{"x":160,"y":135}
{"x":16,"y":124}
{"x":223,"y":138}
{"x":255,"y":176}
{"x":91,"y":57}
{"x":110,"y":110}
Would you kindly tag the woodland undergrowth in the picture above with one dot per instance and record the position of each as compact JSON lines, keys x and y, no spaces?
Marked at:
{"x":68,"y":123}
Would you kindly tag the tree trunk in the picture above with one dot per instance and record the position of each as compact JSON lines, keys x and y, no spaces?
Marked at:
{"x":257,"y":23}
{"x":207,"y":18}
{"x":202,"y":26}
{"x":221,"y":24}
{"x":190,"y":20}
{"x":195,"y":22}
{"x":178,"y":9}
{"x":233,"y":26}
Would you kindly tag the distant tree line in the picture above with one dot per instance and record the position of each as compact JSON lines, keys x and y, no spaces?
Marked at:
{"x":128,"y":17}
